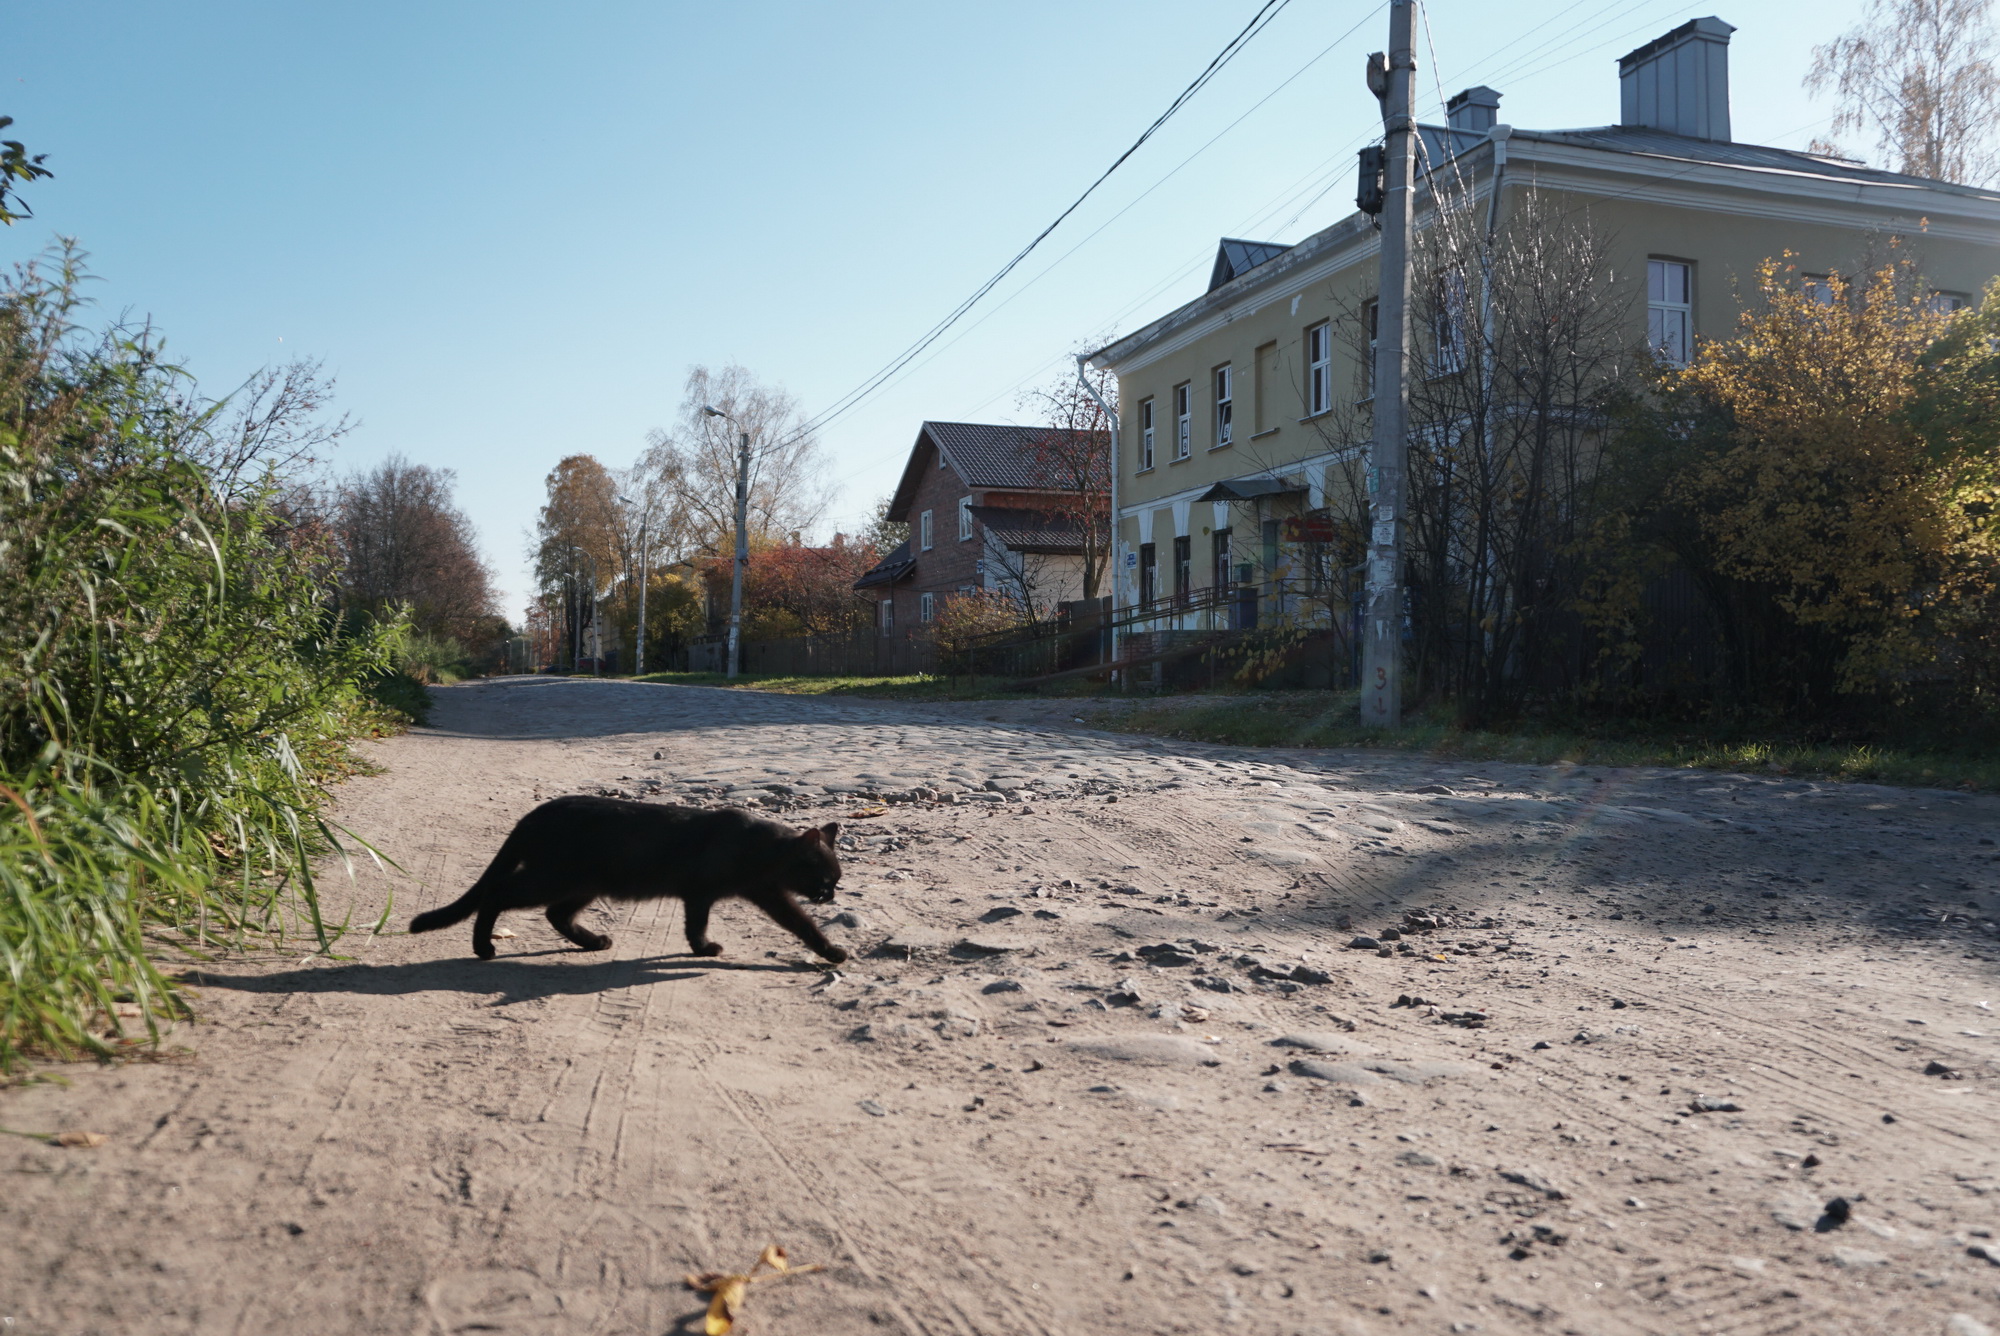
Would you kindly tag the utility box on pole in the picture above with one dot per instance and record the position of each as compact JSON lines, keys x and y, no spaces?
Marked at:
{"x":1382,"y":626}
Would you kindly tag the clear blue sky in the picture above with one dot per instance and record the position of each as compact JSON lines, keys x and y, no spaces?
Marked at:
{"x":509,"y":229}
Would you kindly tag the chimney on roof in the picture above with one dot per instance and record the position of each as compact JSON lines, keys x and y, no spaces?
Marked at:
{"x":1679,"y":83}
{"x":1475,"y":109}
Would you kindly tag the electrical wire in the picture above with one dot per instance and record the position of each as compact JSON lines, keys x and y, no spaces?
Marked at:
{"x":1327,"y":176}
{"x":1136,"y":200}
{"x":1259,"y":21}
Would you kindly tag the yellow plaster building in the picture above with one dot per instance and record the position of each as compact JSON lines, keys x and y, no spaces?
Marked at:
{"x":1226,"y":438}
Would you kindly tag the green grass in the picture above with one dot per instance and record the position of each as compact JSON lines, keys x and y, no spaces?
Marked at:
{"x":1330,"y":719}
{"x":920,"y":686}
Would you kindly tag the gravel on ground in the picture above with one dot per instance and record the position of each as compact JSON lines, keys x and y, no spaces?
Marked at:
{"x":1138,"y":1037}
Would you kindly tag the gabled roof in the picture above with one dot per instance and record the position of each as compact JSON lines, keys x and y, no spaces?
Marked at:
{"x":981,"y":454}
{"x":1627,"y":148}
{"x":1030,"y":530}
{"x":1642,"y":141}
{"x":890,"y":569}
{"x":1234,"y":258}
{"x":1249,"y":489}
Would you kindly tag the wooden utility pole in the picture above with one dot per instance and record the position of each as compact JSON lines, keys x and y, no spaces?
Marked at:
{"x":1382,"y":631}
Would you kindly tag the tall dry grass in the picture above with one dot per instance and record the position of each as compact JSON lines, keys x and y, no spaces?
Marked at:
{"x":176,"y":687}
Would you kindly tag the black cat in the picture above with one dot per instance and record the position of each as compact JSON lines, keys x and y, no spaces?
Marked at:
{"x":569,"y":851}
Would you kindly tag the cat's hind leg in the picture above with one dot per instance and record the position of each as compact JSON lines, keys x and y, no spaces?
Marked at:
{"x":482,"y":930}
{"x":562,"y":917}
{"x":697,"y":927}
{"x":523,"y":889}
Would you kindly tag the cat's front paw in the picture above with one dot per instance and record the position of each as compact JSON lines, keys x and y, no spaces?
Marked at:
{"x":484,"y":952}
{"x":708,"y":949}
{"x":593,"y":941}
{"x":834,"y":954}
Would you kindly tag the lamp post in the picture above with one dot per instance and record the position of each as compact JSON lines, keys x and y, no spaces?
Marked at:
{"x":596,"y":640}
{"x":639,"y":648}
{"x":742,"y":539}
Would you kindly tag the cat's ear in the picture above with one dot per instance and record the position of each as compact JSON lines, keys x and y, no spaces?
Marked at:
{"x":830,"y":831}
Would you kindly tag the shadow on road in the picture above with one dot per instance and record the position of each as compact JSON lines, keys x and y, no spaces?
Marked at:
{"x":515,"y":978}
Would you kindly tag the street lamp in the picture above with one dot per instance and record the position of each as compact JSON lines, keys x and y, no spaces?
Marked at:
{"x":596,"y":637}
{"x":742,"y":539}
{"x":639,"y":649}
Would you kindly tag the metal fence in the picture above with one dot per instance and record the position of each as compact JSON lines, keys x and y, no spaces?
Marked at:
{"x":864,"y":654}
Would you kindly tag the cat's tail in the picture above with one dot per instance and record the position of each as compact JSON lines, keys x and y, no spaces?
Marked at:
{"x":468,"y":904}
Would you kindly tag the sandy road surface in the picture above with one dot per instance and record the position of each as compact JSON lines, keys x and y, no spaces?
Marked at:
{"x":1103,"y":1061}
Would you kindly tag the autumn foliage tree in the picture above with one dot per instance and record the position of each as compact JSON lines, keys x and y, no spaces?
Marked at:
{"x":792,"y":589}
{"x":1921,"y":77}
{"x":405,"y":545}
{"x":579,"y":545}
{"x":1827,"y":477}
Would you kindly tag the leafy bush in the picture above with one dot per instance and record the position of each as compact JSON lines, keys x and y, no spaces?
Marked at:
{"x":174,"y":688}
{"x":431,"y":659}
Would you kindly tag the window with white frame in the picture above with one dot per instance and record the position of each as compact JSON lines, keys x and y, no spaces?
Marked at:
{"x":1145,"y":434}
{"x":1944,"y":303}
{"x":926,"y":607}
{"x":1183,"y":418}
{"x":1819,"y":289}
{"x":1371,"y":325}
{"x":888,"y":609}
{"x":1319,"y":368}
{"x":1225,"y":407}
{"x":924,"y":533}
{"x":1670,"y":310}
{"x":1449,"y":331}
{"x":964,"y":518}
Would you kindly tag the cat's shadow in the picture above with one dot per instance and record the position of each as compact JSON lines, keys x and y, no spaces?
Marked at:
{"x":516,"y":978}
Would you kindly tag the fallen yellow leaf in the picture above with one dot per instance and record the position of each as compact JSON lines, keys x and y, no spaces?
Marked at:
{"x":81,"y":1140}
{"x":730,"y":1290}
{"x":866,"y":812}
{"x":728,"y":1301}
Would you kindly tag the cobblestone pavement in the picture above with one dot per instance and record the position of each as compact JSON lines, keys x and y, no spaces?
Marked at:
{"x":1138,"y":1037}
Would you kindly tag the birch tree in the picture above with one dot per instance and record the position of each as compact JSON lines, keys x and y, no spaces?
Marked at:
{"x":1918,"y":75}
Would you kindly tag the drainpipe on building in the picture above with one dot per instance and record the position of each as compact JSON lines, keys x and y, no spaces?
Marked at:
{"x":1111,"y":556}
{"x":1498,"y":134}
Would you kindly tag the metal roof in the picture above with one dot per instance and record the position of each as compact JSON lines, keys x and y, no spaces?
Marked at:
{"x":1030,"y":530}
{"x":1645,"y":142}
{"x":1249,"y":489}
{"x":1234,"y":258}
{"x":1439,"y":143}
{"x":890,"y":569}
{"x":982,"y":454}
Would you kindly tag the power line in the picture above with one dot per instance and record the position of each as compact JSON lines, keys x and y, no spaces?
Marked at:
{"x":1139,"y":198}
{"x":1262,"y":19}
{"x":1583,"y":34}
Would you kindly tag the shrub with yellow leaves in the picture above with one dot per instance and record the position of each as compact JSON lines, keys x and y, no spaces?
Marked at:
{"x":1827,"y":479}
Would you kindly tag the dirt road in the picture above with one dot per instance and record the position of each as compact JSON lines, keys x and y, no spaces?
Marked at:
{"x":1103,"y":1062}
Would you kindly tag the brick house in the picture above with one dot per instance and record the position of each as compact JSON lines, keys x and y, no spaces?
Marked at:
{"x":980,"y":517}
